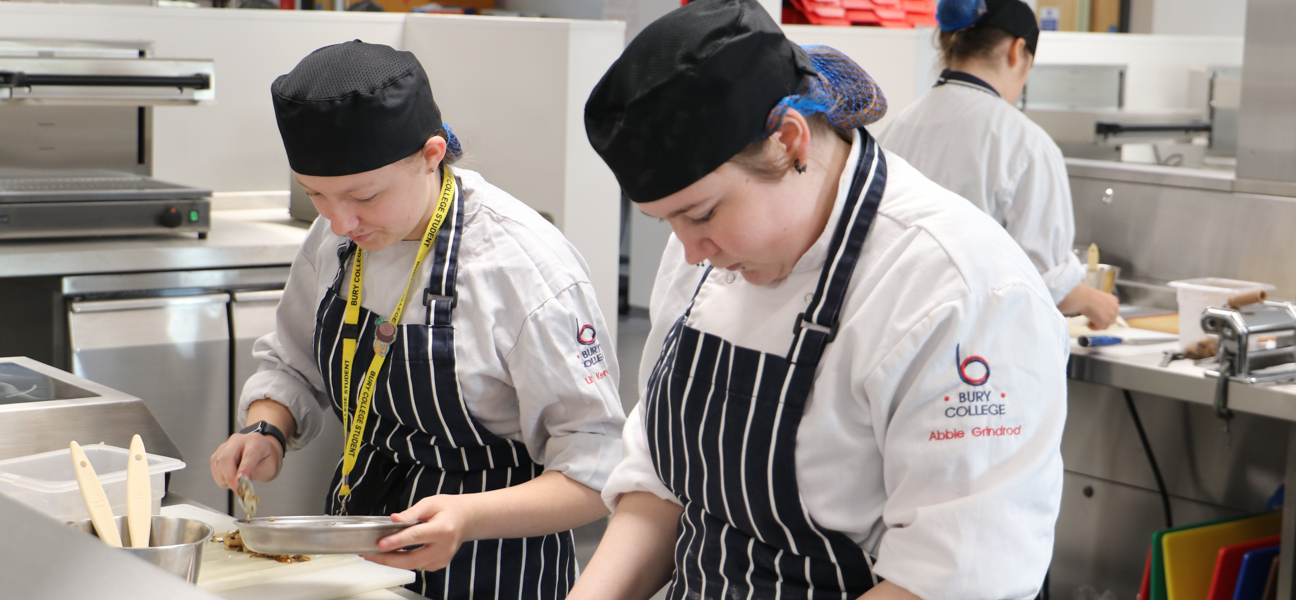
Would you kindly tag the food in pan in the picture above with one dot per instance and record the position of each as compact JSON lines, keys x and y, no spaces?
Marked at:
{"x":234,"y":541}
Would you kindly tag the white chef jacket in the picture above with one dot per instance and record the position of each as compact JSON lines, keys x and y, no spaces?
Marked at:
{"x":951,"y":506}
{"x":978,"y":146}
{"x":524,"y":298}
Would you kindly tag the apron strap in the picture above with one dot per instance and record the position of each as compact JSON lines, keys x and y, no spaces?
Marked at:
{"x":701,"y":281}
{"x":817,"y":326}
{"x":439,"y":297}
{"x":344,"y":251}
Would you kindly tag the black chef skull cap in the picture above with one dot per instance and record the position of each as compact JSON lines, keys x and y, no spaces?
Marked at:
{"x":1015,"y":17}
{"x":689,"y":93}
{"x":354,"y":107}
{"x":1012,"y":16}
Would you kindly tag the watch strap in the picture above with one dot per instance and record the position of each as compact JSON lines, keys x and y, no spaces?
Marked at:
{"x":265,"y":428}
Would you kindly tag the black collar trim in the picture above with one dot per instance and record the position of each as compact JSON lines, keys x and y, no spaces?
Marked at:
{"x":948,"y":75}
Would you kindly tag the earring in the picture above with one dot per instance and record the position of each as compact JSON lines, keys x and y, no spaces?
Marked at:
{"x":800,"y":168}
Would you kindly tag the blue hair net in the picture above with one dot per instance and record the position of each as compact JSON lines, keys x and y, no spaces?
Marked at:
{"x":954,"y":15}
{"x":842,"y":92}
{"x":452,"y":143}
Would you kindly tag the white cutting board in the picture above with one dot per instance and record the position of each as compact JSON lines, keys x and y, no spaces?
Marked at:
{"x":239,"y":576}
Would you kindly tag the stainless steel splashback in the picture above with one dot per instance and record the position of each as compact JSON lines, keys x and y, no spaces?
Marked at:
{"x":1165,"y":223}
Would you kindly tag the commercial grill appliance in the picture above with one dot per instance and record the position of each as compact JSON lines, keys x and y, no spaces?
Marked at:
{"x":76,"y":124}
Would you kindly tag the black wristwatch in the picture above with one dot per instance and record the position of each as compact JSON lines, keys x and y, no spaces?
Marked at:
{"x":265,"y":428}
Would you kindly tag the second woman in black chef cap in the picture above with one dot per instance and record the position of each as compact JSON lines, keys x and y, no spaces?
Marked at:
{"x":446,"y":324}
{"x":854,"y":381}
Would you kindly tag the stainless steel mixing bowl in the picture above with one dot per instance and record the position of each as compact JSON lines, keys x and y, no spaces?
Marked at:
{"x":175,"y":544}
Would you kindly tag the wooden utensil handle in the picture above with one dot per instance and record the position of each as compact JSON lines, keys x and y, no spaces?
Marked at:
{"x":139,"y":510}
{"x":96,"y":500}
{"x":1247,"y":298}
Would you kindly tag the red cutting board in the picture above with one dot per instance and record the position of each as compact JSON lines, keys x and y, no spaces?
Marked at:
{"x":1229,"y":563}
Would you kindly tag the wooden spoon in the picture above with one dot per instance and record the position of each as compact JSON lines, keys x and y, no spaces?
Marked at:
{"x":96,"y":500}
{"x":139,"y":505}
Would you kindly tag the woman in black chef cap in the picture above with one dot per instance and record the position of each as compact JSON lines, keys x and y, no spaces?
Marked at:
{"x":854,"y":381}
{"x":447,"y":325}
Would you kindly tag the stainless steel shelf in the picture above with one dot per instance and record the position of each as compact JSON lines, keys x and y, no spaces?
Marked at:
{"x":1181,"y":381}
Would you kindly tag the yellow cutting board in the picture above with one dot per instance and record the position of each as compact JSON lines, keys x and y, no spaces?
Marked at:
{"x":1190,"y":554}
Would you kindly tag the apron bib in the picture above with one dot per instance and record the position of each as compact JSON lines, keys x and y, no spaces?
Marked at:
{"x":420,"y":439}
{"x":722,"y":423}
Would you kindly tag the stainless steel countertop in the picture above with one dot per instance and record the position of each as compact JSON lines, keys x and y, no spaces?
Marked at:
{"x":1136,"y":368}
{"x":1205,"y":179}
{"x":238,"y":238}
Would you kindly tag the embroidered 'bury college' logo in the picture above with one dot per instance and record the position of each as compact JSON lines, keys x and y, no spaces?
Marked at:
{"x":971,"y":377}
{"x":586,"y":335}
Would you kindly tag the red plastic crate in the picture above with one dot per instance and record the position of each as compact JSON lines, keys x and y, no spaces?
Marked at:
{"x":923,"y":20}
{"x":862,"y":17}
{"x":919,"y":6}
{"x":892,"y":14}
{"x":829,"y":12}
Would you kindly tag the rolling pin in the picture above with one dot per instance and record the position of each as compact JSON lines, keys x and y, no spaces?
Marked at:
{"x":1247,"y":298}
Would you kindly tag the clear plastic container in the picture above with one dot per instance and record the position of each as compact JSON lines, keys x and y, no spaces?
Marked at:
{"x":47,"y":483}
{"x":1195,"y":295}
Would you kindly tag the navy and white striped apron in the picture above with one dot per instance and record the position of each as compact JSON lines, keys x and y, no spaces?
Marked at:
{"x":420,"y":439}
{"x":722,"y":425}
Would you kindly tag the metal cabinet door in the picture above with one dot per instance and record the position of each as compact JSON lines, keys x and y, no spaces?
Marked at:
{"x":173,"y":353}
{"x":302,"y":485}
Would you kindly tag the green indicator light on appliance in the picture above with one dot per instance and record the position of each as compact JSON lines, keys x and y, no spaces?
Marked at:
{"x":193,"y":216}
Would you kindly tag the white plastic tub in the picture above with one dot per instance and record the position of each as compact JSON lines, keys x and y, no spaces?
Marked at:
{"x":1194,"y":295}
{"x":47,"y":483}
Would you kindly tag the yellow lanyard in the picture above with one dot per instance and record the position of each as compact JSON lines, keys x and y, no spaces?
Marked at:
{"x":383,"y":337}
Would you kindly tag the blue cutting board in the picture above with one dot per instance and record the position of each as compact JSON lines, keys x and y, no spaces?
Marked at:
{"x":1254,"y":574}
